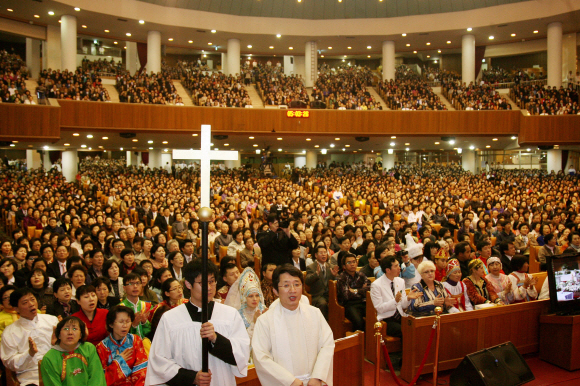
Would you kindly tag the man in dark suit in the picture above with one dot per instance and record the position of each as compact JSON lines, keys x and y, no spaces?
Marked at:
{"x":508,"y":251}
{"x":318,"y":275}
{"x":22,"y":213}
{"x":164,"y":221}
{"x":151,"y":215}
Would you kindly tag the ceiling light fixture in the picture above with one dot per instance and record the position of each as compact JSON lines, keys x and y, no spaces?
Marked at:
{"x":67,"y":144}
{"x":83,"y":146}
{"x":107,"y":31}
{"x":408,"y":45}
{"x":403,"y":34}
{"x":89,"y":136}
{"x":494,"y":139}
{"x":414,"y":52}
{"x":488,"y":146}
{"x":290,"y":48}
{"x":128,"y":34}
{"x":536,"y":31}
{"x":513,"y":35}
{"x":37,"y":16}
{"x":470,"y":29}
{"x":77,"y":9}
{"x":75,"y":134}
{"x":105,"y":138}
{"x":165,"y":142}
{"x":190,"y":41}
{"x":392,"y":144}
{"x":448,"y":41}
{"x":149,"y":141}
{"x":209,"y":43}
{"x":491,"y":37}
{"x":213,"y":31}
{"x":51,"y":13}
{"x":271,"y":47}
{"x":332,"y":145}
{"x":84,"y":26}
{"x":428,"y":43}
{"x":278,"y":35}
{"x":251,"y":137}
{"x":194,"y":135}
{"x":170,"y":39}
{"x":249,"y":46}
{"x":369,"y":47}
{"x":135,"y":140}
{"x":115,"y":43}
{"x":393,"y":137}
{"x":141,"y":21}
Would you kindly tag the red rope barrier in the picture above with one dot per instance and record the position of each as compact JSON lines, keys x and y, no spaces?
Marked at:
{"x":388,"y":359}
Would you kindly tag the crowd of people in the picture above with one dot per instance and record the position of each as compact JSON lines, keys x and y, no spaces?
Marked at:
{"x":216,"y":89}
{"x":276,"y":88}
{"x":80,"y":85}
{"x":474,"y":96}
{"x":157,"y":89}
{"x":412,"y":94}
{"x":546,"y":100}
{"x":345,"y":89}
{"x":117,"y":250}
{"x":433,"y":74}
{"x":13,"y":75}
{"x":103,"y":67}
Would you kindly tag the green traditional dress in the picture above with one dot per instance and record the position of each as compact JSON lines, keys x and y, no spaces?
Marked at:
{"x":81,"y":367}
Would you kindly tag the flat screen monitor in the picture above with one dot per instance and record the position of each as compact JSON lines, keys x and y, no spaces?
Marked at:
{"x":564,"y":282}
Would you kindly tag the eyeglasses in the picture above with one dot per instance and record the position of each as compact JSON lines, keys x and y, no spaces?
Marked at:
{"x":287,"y":286}
{"x":134,"y":284}
{"x":67,"y":329}
{"x":430,"y":271}
{"x":351,"y":262}
{"x":179,"y":288}
{"x":211,"y":282}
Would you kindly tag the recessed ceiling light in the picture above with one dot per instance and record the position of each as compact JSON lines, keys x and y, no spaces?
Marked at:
{"x":406,"y":149}
{"x":428,"y":56}
{"x":226,"y":144}
{"x":346,"y":145}
{"x":190,"y":41}
{"x":392,"y":144}
{"x":121,"y":149}
{"x":135,"y":140}
{"x":322,"y":56}
{"x":10,"y":10}
{"x":84,"y":26}
{"x":350,"y":48}
{"x":271,"y":47}
{"x":470,"y":29}
{"x":194,"y":135}
{"x":428,"y":43}
{"x":107,"y":31}
{"x":37,"y":16}
{"x":308,"y":139}
{"x":491,"y":37}
{"x":149,"y":141}
{"x":407,"y":144}
{"x":278,"y":35}
{"x":115,"y":43}
{"x":436,"y":143}
{"x":439,"y":51}
{"x":165,"y":142}
{"x":414,"y":52}
{"x":125,"y":47}
{"x":249,"y":46}
{"x":514,"y":137}
{"x":209,"y":43}
{"x":448,"y":41}
{"x":369,"y":47}
{"x":330,"y":48}
{"x":337,"y":139}
{"x":290,"y":48}
{"x":14,"y":141}
{"x":279,"y":149}
{"x":105,"y":138}
{"x":51,"y":13}
{"x":403,"y":34}
{"x":536,"y":31}
{"x":83,"y":146}
{"x":316,"y":146}
{"x":452,"y":142}
{"x":255,"y":145}
{"x":12,"y":145}
{"x":150,"y":148}
{"x":471,"y":147}
{"x":77,"y":9}
{"x":513,"y":35}
{"x":332,"y":145}
{"x":170,"y":39}
{"x":75,"y":134}
{"x":67,"y":144}
{"x":368,"y":56}
{"x":251,"y":137}
{"x":345,"y":56}
{"x":141,"y":21}
{"x":408,"y":45}
{"x":393,"y":137}
{"x":213,"y":31}
{"x":128,"y":34}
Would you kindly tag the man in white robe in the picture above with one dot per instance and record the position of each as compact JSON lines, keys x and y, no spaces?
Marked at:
{"x":292,"y":343}
{"x":175,"y":355}
{"x":25,"y":341}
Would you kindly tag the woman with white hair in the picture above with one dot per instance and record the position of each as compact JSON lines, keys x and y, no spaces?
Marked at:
{"x":434,"y":294}
{"x":500,"y":282}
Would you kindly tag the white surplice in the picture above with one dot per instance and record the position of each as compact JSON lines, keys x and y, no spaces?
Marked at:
{"x":177,"y":344}
{"x":14,"y":346}
{"x":292,"y":344}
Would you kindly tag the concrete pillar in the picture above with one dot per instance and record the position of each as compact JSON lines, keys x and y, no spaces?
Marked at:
{"x":232,"y":164}
{"x":569,"y":57}
{"x":468,"y":160}
{"x":288,"y":65}
{"x":299,"y":67}
{"x":33,"y":157}
{"x":166,"y":161}
{"x":153,"y":52}
{"x":299,"y":161}
{"x":70,"y":162}
{"x":46,"y":160}
{"x":233,"y":56}
{"x":311,"y":159}
{"x":388,"y":160}
{"x":554,"y":160}
{"x":51,"y":50}
{"x":388,"y":60}
{"x":155,"y":158}
{"x":33,"y":57}
{"x":139,"y":158}
{"x":310,"y":63}
{"x":224,"y":62}
{"x":468,"y":59}
{"x":131,"y":158}
{"x":555,"y":54}
{"x":131,"y":58}
{"x":68,"y":42}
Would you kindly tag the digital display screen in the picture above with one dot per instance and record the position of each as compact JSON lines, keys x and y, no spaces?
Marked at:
{"x":567,"y":278}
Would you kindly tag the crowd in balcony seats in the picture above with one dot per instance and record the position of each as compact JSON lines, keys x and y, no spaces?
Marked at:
{"x":80,"y":85}
{"x":216,"y":89}
{"x":474,"y":96}
{"x":103,"y":67}
{"x":13,"y":75}
{"x":157,"y":89}
{"x":345,"y":88}
{"x":546,"y":100}
{"x":277,"y":89}
{"x":432,"y":74}
{"x":515,"y":75}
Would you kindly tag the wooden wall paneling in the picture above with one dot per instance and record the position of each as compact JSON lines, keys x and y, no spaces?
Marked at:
{"x":29,"y":123}
{"x":250,"y":380}
{"x":550,"y":130}
{"x":348,"y":365}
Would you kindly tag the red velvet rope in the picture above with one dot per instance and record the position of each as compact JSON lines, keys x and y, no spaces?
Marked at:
{"x":395,"y":378}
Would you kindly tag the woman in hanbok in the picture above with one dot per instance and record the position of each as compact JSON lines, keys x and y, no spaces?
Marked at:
{"x":456,"y":288}
{"x":72,"y":361}
{"x":122,"y":354}
{"x":523,"y":286}
{"x":478,"y":288}
{"x":500,"y":282}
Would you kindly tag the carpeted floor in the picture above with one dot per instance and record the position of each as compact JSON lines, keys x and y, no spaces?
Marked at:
{"x":545,"y":374}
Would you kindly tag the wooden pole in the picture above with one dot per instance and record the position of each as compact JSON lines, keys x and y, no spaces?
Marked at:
{"x":438,"y":311}
{"x":204,"y":215}
{"x":378,"y":340}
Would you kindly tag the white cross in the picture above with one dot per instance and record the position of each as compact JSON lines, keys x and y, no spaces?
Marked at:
{"x":205,"y":155}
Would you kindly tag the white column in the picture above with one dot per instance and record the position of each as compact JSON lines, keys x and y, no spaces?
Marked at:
{"x":299,"y":67}
{"x":153,"y":51}
{"x":468,"y":160}
{"x":555,"y":54}
{"x":288,"y":65}
{"x":51,"y":50}
{"x":155,"y":158}
{"x":299,"y":161}
{"x":132,"y":158}
{"x":468,"y":59}
{"x":33,"y":57}
{"x":46,"y":160}
{"x":389,"y":60}
{"x":68,"y":42}
{"x":131,"y":57}
{"x":310,"y":63}
{"x":388,"y":160}
{"x":311,"y":159}
{"x":224,"y":62}
{"x":166,"y":159}
{"x":232,"y":164}
{"x":554,"y":160}
{"x":233,"y":63}
{"x":70,"y":162}
{"x":569,"y":57}
{"x":32,"y":157}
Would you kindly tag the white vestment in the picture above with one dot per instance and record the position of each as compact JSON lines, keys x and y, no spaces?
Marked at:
{"x":15,"y":347}
{"x":292,"y":344}
{"x":177,"y":344}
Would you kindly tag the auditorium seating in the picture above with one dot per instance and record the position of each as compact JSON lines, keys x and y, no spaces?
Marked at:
{"x":336,"y":319}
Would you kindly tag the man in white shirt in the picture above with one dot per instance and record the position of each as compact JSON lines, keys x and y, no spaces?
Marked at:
{"x":27,"y":340}
{"x":292,"y":343}
{"x":389,"y":296}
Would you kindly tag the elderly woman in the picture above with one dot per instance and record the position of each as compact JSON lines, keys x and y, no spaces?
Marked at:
{"x":179,"y":228}
{"x":480,"y":291}
{"x":72,"y":361}
{"x":500,"y":282}
{"x":434,"y":295}
{"x":522,"y":285}
{"x":456,"y":288}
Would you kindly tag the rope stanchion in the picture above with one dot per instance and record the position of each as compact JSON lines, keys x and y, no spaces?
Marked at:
{"x":388,"y":359}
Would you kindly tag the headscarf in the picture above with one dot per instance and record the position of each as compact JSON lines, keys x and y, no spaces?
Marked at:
{"x":249,"y":284}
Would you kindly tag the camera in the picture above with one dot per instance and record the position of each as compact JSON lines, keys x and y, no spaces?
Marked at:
{"x":284,"y":224}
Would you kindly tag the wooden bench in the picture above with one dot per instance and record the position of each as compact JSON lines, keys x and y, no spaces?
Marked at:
{"x":393,"y":344}
{"x":348,"y":364}
{"x":534,"y":264}
{"x":336,"y":317}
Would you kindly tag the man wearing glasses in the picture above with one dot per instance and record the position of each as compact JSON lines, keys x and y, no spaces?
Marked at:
{"x":352,"y":288}
{"x":132,"y":285}
{"x":175,"y":355}
{"x":292,"y":343}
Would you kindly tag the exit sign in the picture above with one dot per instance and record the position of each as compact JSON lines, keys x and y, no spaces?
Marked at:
{"x":298,"y":114}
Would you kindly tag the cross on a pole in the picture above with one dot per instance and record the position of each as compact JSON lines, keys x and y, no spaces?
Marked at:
{"x":205,"y":155}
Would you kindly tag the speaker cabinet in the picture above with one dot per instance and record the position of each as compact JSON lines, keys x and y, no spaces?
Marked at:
{"x":499,"y":365}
